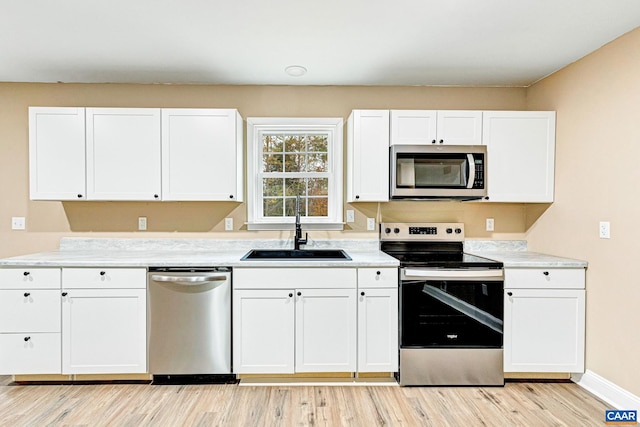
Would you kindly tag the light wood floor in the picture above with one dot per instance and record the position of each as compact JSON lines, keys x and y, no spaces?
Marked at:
{"x":517,"y":404}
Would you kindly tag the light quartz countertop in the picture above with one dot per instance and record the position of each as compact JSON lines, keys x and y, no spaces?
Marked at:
{"x":106,"y":252}
{"x":80,"y":252}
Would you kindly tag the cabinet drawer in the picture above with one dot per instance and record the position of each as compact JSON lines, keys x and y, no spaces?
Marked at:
{"x":541,"y":278}
{"x":377,"y":277}
{"x":30,"y":278}
{"x":293,"y":278}
{"x":104,"y":278}
{"x":24,"y":354}
{"x":29,"y":311}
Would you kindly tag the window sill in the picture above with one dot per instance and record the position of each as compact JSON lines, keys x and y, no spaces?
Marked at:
{"x":339,"y":226}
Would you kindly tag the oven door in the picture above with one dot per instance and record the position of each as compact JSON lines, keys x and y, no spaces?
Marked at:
{"x":451,"y":308}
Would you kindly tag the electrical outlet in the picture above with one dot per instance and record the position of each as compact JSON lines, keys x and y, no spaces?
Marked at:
{"x":351,"y":216}
{"x":18,"y":223}
{"x":142,"y":223}
{"x":605,"y":230}
{"x":490,"y":224}
{"x":228,"y":224}
{"x":371,"y":224}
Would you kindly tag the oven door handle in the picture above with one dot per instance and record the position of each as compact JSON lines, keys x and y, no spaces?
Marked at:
{"x":451,"y":274}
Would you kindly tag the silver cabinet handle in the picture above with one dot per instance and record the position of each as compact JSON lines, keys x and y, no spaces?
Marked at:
{"x":187,"y":279}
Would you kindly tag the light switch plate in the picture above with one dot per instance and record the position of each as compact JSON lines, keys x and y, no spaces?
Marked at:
{"x":142,"y":223}
{"x":351,"y":216}
{"x":18,"y":223}
{"x":605,"y":230}
{"x":371,"y":224}
{"x":228,"y":224}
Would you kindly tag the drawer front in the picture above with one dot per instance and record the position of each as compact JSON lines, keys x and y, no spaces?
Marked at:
{"x":25,"y":354}
{"x":541,"y":278}
{"x":30,"y":311}
{"x":104,"y":278}
{"x":29,"y":278}
{"x":294,"y":278}
{"x":377,"y":277}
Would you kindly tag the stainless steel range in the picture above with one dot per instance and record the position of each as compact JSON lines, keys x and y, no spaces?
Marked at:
{"x":451,"y":307}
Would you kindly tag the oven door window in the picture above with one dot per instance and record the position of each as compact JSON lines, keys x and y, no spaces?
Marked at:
{"x":432,"y":171}
{"x":452,"y":314}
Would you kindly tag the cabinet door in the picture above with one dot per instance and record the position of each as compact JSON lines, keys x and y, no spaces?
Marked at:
{"x":263,"y":331}
{"x":200,"y":149}
{"x":30,"y":353}
{"x":104,"y":331}
{"x":544,"y":330}
{"x":413,"y":127}
{"x":459,"y":127}
{"x":368,"y":156}
{"x":520,"y":155}
{"x":123,"y":153}
{"x":56,"y":153}
{"x":377,"y":330}
{"x":326,"y":330}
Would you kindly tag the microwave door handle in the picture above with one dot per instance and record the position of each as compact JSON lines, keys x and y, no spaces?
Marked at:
{"x":471,"y":166}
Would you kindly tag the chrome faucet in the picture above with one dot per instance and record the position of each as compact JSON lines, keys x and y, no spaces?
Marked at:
{"x":298,"y":240}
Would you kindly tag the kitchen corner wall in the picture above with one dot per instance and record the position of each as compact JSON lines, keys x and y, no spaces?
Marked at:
{"x":597,"y":100}
{"x":48,"y":221}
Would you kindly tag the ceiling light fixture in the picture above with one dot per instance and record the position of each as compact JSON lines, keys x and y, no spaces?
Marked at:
{"x":295,"y":70}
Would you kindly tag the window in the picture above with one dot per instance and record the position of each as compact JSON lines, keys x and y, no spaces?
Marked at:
{"x":290,"y":157}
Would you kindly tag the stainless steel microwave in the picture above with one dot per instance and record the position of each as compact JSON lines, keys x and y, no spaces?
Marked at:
{"x":438,"y":172}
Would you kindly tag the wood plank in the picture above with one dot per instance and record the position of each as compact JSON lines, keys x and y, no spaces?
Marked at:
{"x":516,"y":404}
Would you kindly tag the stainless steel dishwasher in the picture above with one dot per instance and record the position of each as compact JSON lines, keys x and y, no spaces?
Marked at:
{"x":189,"y":323}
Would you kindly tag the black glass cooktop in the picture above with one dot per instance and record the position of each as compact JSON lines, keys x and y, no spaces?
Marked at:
{"x":444,"y":255}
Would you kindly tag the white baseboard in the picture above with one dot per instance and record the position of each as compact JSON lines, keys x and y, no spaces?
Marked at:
{"x":612,"y":394}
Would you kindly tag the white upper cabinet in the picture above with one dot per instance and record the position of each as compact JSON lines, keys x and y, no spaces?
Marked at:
{"x":520,"y":155}
{"x":368,"y":156}
{"x":56,"y":153}
{"x":420,"y":127}
{"x":123,"y":153}
{"x":202,"y":154}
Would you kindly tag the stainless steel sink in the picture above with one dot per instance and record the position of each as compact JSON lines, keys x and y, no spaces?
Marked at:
{"x":293,"y":254}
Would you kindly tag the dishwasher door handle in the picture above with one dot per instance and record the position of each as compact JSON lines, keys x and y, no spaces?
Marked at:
{"x":189,"y":280}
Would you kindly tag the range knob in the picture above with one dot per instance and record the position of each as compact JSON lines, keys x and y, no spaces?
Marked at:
{"x":387,"y":230}
{"x":458,"y":230}
{"x":449,"y":230}
{"x":396,"y":230}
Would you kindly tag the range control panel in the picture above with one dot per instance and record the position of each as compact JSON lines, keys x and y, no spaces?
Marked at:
{"x":422,"y":231}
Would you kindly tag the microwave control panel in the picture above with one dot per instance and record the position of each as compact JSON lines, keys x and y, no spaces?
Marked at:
{"x":478,"y":181}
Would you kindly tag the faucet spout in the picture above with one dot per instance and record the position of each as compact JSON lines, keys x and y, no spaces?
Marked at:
{"x":298,"y":240}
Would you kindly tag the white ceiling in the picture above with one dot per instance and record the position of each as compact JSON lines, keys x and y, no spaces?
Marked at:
{"x":340,"y":42}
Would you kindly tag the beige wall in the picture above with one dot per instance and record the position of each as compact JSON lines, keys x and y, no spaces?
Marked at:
{"x":48,"y":221}
{"x":597,"y":100}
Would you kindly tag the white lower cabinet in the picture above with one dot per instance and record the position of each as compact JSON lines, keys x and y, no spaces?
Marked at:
{"x":544,"y":328}
{"x":377,"y":330}
{"x":104,"y":322}
{"x":29,"y":321}
{"x":289,"y":320}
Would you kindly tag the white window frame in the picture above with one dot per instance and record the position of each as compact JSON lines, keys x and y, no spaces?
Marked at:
{"x":255,"y":127}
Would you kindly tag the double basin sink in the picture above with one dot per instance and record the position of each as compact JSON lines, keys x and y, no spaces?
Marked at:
{"x":296,"y":254}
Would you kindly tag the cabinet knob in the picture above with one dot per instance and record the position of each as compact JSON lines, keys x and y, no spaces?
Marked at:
{"x":441,"y":141}
{"x":378,"y":272}
{"x":433,"y":142}
{"x":546,"y":273}
{"x":299,"y":294}
{"x":362,"y":293}
{"x":231,"y":196}
{"x":79,"y":196}
{"x":357,"y":197}
{"x":64,"y":294}
{"x":102,"y":273}
{"x":26,"y":273}
{"x":510,"y":294}
{"x":26,"y":339}
{"x":290,"y":295}
{"x":155,"y":196}
{"x":26,"y":294}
